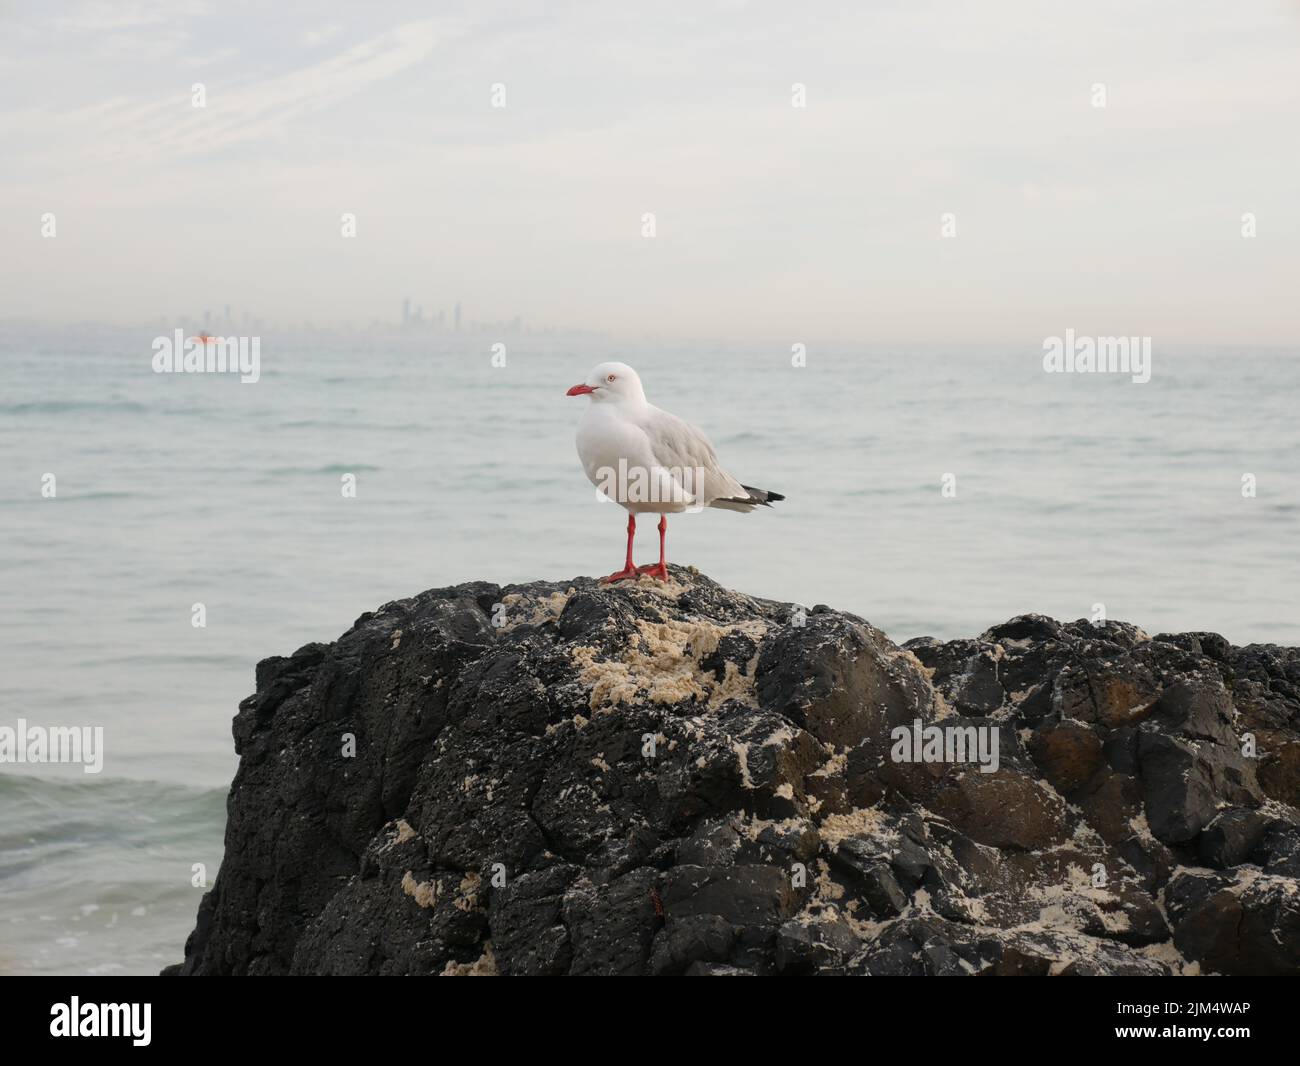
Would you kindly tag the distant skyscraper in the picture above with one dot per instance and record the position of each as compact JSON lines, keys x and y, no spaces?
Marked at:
{"x":457,"y":317}
{"x":406,"y":312}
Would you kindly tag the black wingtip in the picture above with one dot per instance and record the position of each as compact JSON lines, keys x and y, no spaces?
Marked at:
{"x":766,"y":497}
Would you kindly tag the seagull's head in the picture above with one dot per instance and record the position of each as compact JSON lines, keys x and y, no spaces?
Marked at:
{"x":611,"y":383}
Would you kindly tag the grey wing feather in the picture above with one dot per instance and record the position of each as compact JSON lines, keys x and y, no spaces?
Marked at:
{"x":680,"y":446}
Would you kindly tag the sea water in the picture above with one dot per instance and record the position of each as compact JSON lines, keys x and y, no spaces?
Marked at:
{"x":931,"y":490}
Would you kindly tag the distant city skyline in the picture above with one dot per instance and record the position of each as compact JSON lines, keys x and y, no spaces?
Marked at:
{"x":748,"y":171}
{"x":411,"y":316}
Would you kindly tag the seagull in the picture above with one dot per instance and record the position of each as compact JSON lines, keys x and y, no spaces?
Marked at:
{"x":650,"y":461}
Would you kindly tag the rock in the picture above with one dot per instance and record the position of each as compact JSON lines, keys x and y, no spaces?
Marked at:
{"x":1004,"y":809}
{"x":932,"y":947}
{"x":1178,"y":788}
{"x":963,"y":672}
{"x":1184,"y":781}
{"x":529,"y":937}
{"x":1199,"y":709}
{"x":872,"y":875}
{"x":1069,"y":753}
{"x":1113,"y":692}
{"x":1279,"y":773}
{"x":841,"y":679}
{"x":1280,"y":850}
{"x":1232,"y":837}
{"x":647,"y":778}
{"x":703,"y":969}
{"x":694,"y":938}
{"x":814,"y":946}
{"x":750,"y":895}
{"x":611,"y":925}
{"x":1238,"y":922}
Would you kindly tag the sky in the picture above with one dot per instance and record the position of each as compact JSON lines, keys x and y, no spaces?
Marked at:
{"x":772,"y":223}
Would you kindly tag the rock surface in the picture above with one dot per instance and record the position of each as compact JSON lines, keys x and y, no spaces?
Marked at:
{"x":679,"y":779}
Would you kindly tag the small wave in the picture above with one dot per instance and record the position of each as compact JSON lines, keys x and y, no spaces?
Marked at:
{"x":59,"y":407}
{"x":97,"y":874}
{"x":333,"y":468}
{"x":45,"y":815}
{"x":71,"y":497}
{"x":385,"y":427}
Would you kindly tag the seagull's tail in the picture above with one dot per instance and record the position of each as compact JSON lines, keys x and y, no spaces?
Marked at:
{"x":756,"y":498}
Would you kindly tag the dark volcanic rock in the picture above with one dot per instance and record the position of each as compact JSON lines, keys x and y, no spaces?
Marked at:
{"x":1236,"y":922}
{"x":679,"y":779}
{"x":1233,"y":837}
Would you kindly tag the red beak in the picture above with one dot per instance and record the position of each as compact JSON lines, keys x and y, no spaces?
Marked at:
{"x":579,"y":390}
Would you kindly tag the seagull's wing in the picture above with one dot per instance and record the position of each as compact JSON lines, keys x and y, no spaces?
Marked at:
{"x":686,"y":453}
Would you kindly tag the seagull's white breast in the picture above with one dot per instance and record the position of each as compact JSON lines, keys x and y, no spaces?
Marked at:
{"x":619,"y":460}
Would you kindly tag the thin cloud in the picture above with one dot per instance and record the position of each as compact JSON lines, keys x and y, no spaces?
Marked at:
{"x":102,"y":17}
{"x":173,"y":127}
{"x":312,"y":38}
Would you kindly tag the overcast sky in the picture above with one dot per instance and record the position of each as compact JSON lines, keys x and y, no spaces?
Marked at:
{"x":774,"y":223}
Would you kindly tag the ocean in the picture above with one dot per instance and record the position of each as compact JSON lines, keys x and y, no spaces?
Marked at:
{"x":932,"y":490}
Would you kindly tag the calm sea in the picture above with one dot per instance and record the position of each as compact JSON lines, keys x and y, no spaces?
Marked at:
{"x":177,"y":490}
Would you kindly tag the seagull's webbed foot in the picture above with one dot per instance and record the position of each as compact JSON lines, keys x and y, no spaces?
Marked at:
{"x":627,"y":573}
{"x":659,"y":570}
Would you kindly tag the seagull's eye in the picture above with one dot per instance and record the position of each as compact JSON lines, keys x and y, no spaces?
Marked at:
{"x":610,"y":378}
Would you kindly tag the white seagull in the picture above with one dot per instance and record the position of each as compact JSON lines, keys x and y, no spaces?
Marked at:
{"x":650,"y":461}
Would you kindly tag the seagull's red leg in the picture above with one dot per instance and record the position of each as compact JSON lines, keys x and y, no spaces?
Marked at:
{"x":628,"y":569}
{"x":660,"y":569}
